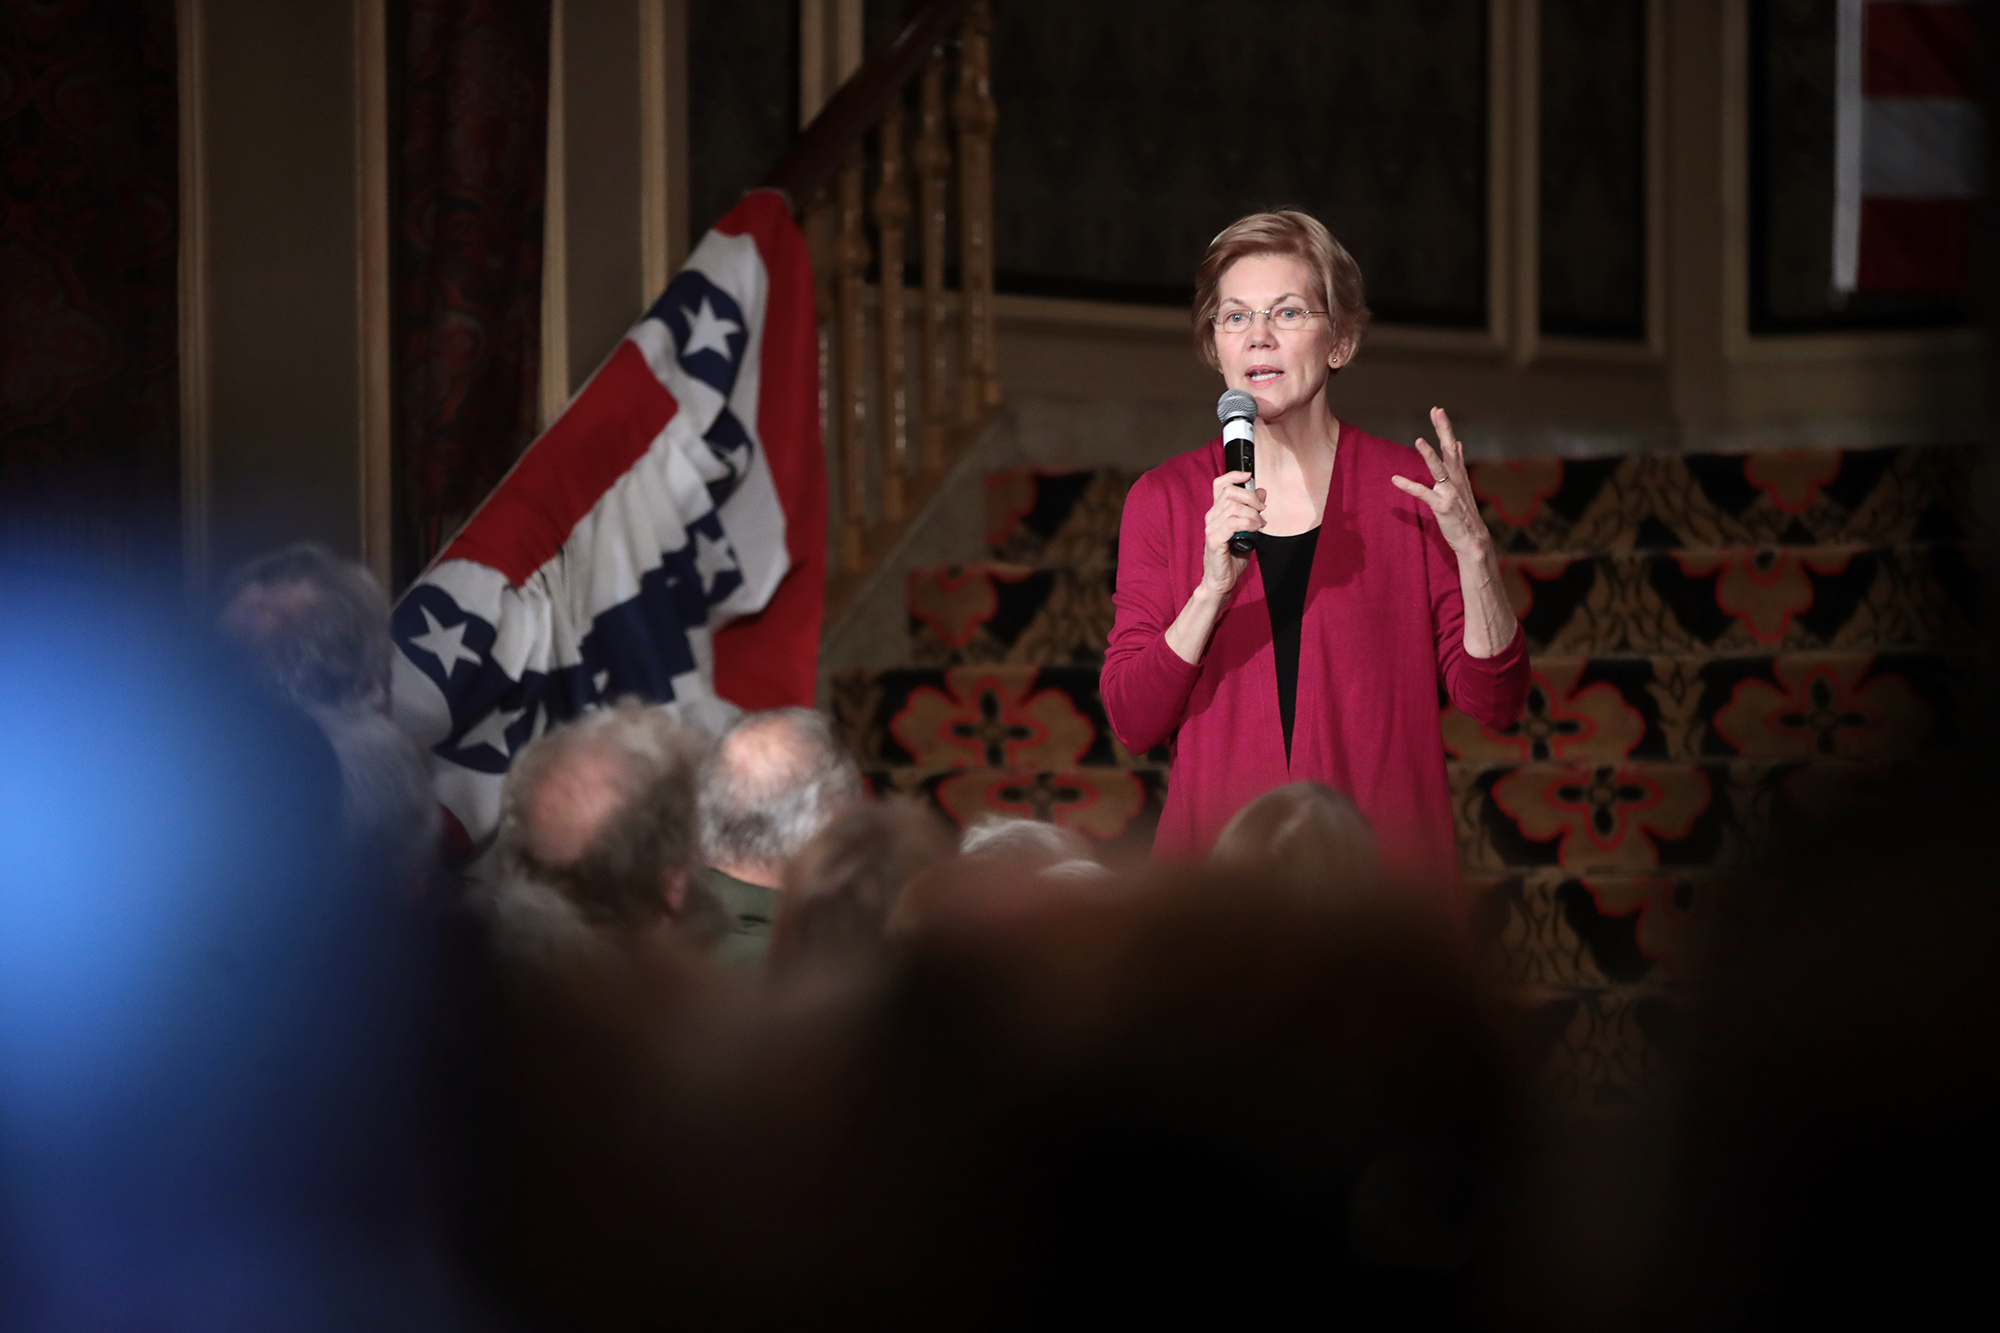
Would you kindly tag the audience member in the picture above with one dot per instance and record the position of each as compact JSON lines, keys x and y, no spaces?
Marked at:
{"x":1305,"y":835}
{"x":316,"y":629}
{"x":1843,"y":1079}
{"x":774,"y":781}
{"x":597,"y":839}
{"x":1008,"y":868}
{"x":207,"y":1028}
{"x":841,"y":890}
{"x":1168,"y":1103}
{"x":1028,"y":845}
{"x":1222,"y":1092}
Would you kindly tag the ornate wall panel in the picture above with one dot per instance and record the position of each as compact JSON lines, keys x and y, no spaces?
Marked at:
{"x":743,"y":99}
{"x":1791,"y":184}
{"x":89,"y":392}
{"x":1593,"y":168}
{"x":469,"y":84}
{"x":1130,"y":133}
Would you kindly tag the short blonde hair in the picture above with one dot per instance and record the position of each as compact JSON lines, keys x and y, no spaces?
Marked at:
{"x":1336,"y":277}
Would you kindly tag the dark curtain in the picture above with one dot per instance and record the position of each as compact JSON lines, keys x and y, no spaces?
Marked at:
{"x":469,"y":85}
{"x":89,"y":302}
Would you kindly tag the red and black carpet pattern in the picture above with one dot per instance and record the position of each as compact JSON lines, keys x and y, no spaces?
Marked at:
{"x":1725,"y":600}
{"x":1725,"y":649}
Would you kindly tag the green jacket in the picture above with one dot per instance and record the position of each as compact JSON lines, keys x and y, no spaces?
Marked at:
{"x":751,"y":908}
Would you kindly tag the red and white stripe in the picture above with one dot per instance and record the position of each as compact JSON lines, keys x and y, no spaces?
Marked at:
{"x":1907,"y":146}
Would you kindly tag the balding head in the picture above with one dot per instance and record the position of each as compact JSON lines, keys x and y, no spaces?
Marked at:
{"x":776,"y":779}
{"x":576,"y":799}
{"x":603,"y":811}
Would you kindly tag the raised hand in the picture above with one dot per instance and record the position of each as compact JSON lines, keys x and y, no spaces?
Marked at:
{"x":1450,"y":496}
{"x":1489,"y":622}
{"x":1235,"y":510}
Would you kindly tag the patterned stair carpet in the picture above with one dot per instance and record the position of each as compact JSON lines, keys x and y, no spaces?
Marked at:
{"x":1725,"y":648}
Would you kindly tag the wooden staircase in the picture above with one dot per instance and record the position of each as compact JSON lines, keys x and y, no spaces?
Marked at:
{"x":1725,"y":648}
{"x":904,"y":145}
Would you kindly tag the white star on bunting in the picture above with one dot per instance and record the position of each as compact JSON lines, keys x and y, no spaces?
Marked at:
{"x":708,"y":331}
{"x":492,"y":732}
{"x":711,"y":559}
{"x":446,"y":645}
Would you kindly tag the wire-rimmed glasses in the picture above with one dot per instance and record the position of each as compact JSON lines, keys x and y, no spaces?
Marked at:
{"x":1289,"y":318}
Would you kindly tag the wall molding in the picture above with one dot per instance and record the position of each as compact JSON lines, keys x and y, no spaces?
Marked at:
{"x":1059,"y":313}
{"x":555,"y":240}
{"x":1525,"y":341}
{"x":375,"y":453}
{"x":1657,"y":215}
{"x":663,"y":142}
{"x":197,"y":445}
{"x":832,"y":38}
{"x":1513,"y":164}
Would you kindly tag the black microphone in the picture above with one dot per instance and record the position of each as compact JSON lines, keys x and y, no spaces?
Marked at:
{"x":1238,"y":411}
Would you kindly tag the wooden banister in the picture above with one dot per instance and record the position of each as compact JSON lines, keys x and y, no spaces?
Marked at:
{"x":852,"y":176}
{"x":856,"y":108}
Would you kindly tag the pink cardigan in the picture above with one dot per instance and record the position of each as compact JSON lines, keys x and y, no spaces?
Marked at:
{"x":1384,"y":620}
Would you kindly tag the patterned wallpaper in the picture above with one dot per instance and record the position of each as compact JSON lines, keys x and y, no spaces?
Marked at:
{"x":1593,"y":168}
{"x":743,"y":99}
{"x":1791,"y":184}
{"x":1131,"y":132}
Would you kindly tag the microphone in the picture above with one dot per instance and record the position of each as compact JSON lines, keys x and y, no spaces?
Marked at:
{"x":1238,"y":413}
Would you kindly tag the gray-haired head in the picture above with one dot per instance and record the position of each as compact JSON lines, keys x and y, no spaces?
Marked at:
{"x":602,"y":810}
{"x":316,"y":626}
{"x":1025,"y":842}
{"x":775,"y":780}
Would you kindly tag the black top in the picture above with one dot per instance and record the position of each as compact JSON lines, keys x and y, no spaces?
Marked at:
{"x":1287,"y":563}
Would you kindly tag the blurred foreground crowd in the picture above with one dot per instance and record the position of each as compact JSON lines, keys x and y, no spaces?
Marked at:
{"x":709,"y":1038}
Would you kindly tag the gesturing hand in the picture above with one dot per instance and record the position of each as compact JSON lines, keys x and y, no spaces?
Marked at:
{"x":1235,"y":510}
{"x":1450,"y":498}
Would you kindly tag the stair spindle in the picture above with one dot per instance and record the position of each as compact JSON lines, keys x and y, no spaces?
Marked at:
{"x":892,"y":213}
{"x":856,"y":214}
{"x":851,"y":260}
{"x":933,"y":161}
{"x":974,"y":112}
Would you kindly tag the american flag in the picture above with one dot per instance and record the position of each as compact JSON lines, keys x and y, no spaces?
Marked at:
{"x":1906,"y":145}
{"x":682,"y":490}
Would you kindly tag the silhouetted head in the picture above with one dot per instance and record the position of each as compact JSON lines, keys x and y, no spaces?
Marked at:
{"x":1304,"y":834}
{"x":316,"y":626}
{"x":203,"y":1009}
{"x":842,"y":889}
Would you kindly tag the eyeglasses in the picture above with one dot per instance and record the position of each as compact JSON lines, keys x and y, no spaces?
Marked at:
{"x":1287,"y":317}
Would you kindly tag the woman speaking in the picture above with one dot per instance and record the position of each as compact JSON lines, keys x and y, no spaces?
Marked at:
{"x":1316,"y":655}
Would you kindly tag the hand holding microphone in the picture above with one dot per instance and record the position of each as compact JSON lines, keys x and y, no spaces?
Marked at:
{"x":1232,"y":524}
